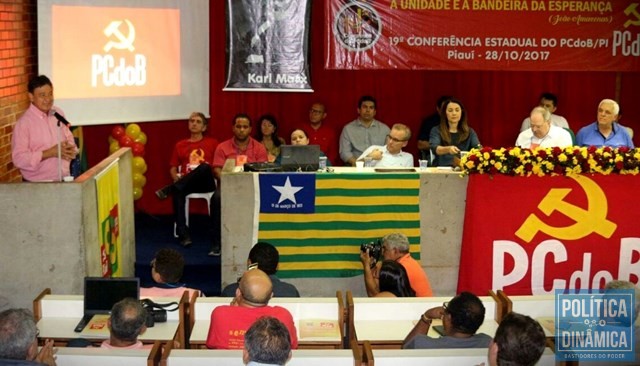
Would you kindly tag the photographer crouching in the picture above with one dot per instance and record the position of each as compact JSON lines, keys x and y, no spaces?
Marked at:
{"x":394,"y":247}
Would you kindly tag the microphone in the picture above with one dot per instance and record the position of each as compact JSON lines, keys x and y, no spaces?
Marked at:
{"x":61,"y":118}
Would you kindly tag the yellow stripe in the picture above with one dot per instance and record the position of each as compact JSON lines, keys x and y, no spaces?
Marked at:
{"x":319,"y":265}
{"x":329,"y":234}
{"x":368,"y":184}
{"x":331,"y":249}
{"x":367,"y":200}
{"x":329,"y":217}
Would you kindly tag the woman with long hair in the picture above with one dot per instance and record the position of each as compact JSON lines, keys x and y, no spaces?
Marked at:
{"x":268,"y":136}
{"x":393,"y":280}
{"x":453,"y":135}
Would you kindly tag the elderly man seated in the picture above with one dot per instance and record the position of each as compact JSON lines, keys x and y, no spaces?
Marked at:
{"x":542,"y":133}
{"x":19,"y":340}
{"x":461,"y":318}
{"x":605,"y":131}
{"x":391,"y":154}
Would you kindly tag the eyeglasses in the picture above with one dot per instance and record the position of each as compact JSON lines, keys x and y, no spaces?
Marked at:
{"x":153,"y":263}
{"x":316,"y":111}
{"x":445,"y":306}
{"x":37,"y":333}
{"x":394,"y":139}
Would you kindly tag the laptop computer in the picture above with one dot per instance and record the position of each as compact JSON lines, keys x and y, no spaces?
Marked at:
{"x":303,"y":158}
{"x":100,"y":294}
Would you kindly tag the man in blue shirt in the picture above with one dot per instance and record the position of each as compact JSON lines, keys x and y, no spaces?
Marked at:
{"x":605,"y":132}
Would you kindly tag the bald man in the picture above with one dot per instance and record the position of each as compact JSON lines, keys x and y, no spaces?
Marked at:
{"x":230,"y":322}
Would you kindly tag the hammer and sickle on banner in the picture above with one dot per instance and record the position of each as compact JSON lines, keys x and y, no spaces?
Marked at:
{"x":632,"y":9}
{"x":593,"y":219}
{"x":113,"y":29}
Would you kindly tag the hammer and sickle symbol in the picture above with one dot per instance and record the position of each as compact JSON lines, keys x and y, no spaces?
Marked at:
{"x":113,"y":29}
{"x":593,"y":219}
{"x":632,"y":9}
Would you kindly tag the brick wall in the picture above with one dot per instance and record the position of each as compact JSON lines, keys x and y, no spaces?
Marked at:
{"x":18,"y":63}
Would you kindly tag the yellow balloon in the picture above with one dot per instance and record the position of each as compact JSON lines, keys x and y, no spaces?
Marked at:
{"x":137,"y":193}
{"x":139,"y":180}
{"x":113,"y":147}
{"x":142,"y":138}
{"x":133,"y":130}
{"x":139,"y":165}
{"x":111,"y":140}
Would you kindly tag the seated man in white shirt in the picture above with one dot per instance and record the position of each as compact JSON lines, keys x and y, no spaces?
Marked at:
{"x":542,"y":133}
{"x":391,"y":154}
{"x":550,"y":102}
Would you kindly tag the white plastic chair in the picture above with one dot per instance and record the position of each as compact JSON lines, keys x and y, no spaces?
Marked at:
{"x":205,"y":196}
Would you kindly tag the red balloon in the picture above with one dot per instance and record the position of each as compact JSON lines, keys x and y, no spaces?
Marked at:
{"x":126,"y":141}
{"x":118,"y":132}
{"x":137,"y":149}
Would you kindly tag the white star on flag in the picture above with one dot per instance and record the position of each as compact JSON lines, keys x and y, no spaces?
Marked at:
{"x":287,"y":192}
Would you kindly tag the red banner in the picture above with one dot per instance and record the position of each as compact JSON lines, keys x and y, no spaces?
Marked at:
{"x":533,"y":235}
{"x":547,"y":35}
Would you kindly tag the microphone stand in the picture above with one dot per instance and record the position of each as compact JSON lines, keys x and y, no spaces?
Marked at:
{"x":59,"y":153}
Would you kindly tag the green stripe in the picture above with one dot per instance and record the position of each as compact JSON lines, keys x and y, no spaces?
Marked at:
{"x":319,"y":273}
{"x":368,"y":209}
{"x":364,"y":192}
{"x":338,"y":225}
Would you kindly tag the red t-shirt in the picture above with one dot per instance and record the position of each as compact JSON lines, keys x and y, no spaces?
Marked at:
{"x":327,"y":139}
{"x":255,"y":152}
{"x":187,"y":155}
{"x":230,"y":323}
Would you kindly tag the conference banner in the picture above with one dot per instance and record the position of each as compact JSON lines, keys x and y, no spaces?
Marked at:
{"x":534,"y":235}
{"x":108,"y":194}
{"x":348,"y":210}
{"x":531,"y":35}
{"x":268,"y":45}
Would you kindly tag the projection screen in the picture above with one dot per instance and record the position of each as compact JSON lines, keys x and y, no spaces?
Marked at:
{"x":120,"y":61}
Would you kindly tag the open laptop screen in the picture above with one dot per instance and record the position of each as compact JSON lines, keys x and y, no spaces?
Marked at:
{"x":299,"y":157}
{"x":100,"y":294}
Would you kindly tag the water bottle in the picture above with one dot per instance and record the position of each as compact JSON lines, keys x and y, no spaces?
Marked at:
{"x":74,"y":167}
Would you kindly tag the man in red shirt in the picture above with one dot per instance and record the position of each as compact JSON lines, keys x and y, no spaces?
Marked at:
{"x":229,"y":323}
{"x":321,"y":134}
{"x":243,"y":149}
{"x":190,"y":171}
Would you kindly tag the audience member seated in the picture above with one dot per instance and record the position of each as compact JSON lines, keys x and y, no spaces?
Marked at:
{"x":461,"y":318}
{"x":126,"y":323}
{"x":427,"y":125}
{"x":266,"y":257}
{"x":320,"y":133}
{"x":362,"y":132}
{"x":243,"y":149}
{"x":453,"y":135}
{"x":300,"y":137}
{"x":166,"y":270}
{"x":519,"y":341}
{"x":549,"y":102}
{"x":19,"y":340}
{"x":391,"y":154}
{"x":395,"y":247}
{"x":392,"y":280}
{"x":268,"y":135}
{"x":542,"y":133}
{"x":190,"y":172}
{"x":230,"y":322}
{"x":605,"y":131}
{"x":267,"y":342}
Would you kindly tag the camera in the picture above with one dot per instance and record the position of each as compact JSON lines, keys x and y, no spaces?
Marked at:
{"x":375,"y":250}
{"x":155,"y":316}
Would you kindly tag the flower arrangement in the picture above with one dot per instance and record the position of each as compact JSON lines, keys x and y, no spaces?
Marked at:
{"x":517,"y":161}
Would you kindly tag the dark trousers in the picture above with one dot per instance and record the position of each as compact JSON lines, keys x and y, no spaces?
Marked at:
{"x":199,"y":180}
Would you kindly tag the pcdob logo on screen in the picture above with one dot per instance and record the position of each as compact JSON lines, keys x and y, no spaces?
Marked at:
{"x":119,"y":65}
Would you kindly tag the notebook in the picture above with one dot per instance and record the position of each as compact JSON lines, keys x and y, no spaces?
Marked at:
{"x":100,"y":294}
{"x":299,"y":157}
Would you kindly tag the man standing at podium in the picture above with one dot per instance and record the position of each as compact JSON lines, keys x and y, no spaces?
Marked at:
{"x":38,"y":134}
